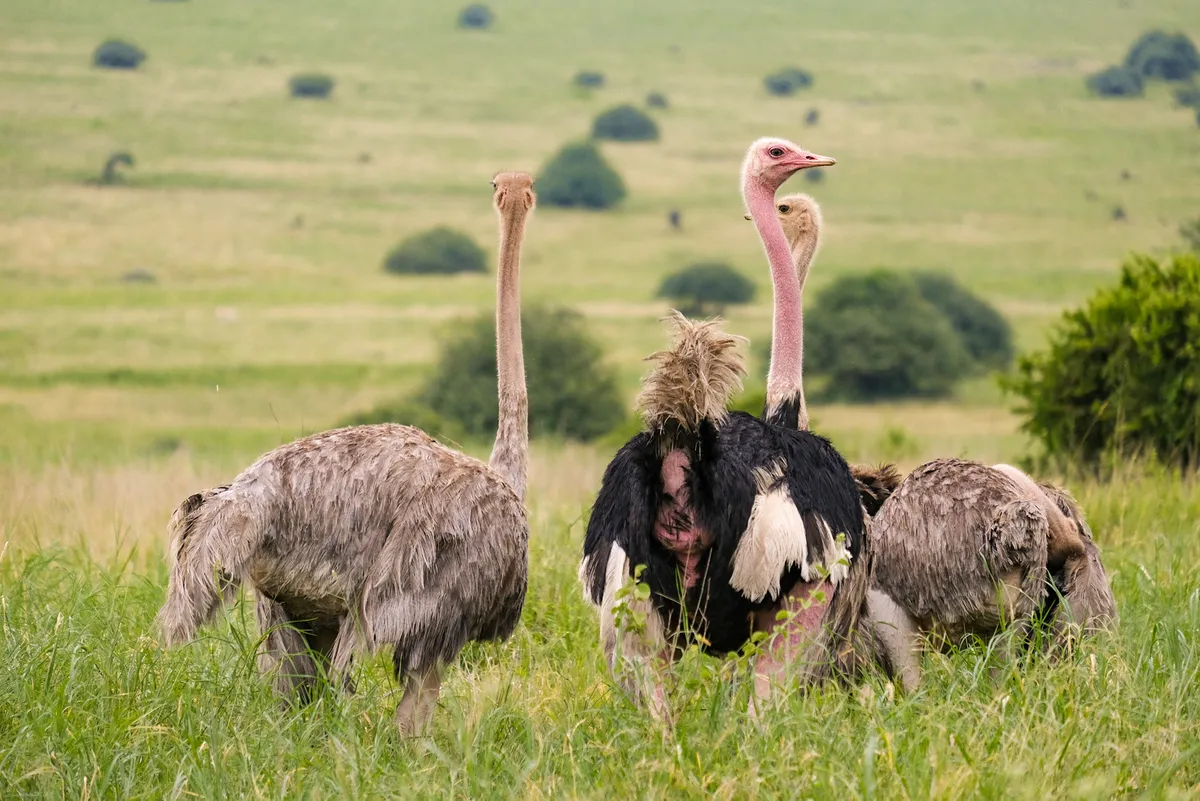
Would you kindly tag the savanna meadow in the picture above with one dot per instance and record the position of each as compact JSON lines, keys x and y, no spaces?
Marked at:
{"x":226,"y":225}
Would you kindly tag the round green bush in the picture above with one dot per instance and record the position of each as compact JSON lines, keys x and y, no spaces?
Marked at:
{"x":788,"y":81}
{"x":625,"y":123}
{"x":1121,"y":376}
{"x":656,"y":100}
{"x":578,"y":176}
{"x":1162,"y":55}
{"x":589,"y":79}
{"x":116,"y":54}
{"x":572,"y":392}
{"x":984,"y":332}
{"x":706,"y":288}
{"x":311,"y":84}
{"x":476,"y":15}
{"x":1115,"y":82}
{"x":876,"y":338}
{"x":440,"y":251}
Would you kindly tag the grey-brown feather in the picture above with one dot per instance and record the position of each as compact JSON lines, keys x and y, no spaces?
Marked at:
{"x":377,"y":527}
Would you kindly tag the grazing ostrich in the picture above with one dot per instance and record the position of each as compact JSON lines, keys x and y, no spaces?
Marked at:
{"x":962,"y":549}
{"x":735,"y":519}
{"x":373,"y":535}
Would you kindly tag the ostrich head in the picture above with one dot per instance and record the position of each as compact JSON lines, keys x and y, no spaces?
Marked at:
{"x":514,"y":191}
{"x":800,"y":216}
{"x":770,"y":161}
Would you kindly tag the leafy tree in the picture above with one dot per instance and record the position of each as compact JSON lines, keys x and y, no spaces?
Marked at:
{"x":625,"y":123}
{"x":572,"y":393}
{"x":788,"y":81}
{"x":985,"y":333}
{"x":1121,"y":375}
{"x":706,"y":288}
{"x":589,"y":79}
{"x":476,"y":15}
{"x":1162,"y":55}
{"x":578,"y":176}
{"x":116,"y":54}
{"x":1115,"y":82}
{"x":311,"y":84}
{"x":876,"y":338}
{"x":439,"y":250}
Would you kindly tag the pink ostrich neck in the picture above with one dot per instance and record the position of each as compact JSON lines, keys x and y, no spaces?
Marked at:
{"x":787,"y":328}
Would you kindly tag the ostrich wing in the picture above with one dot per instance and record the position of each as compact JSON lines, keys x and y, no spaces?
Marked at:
{"x":624,"y":513}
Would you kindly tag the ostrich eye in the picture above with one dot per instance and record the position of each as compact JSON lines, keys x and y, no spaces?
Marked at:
{"x":775,"y":152}
{"x":785,"y":208}
{"x":493,"y":184}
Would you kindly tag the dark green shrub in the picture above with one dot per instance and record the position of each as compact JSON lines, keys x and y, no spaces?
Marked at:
{"x":118,"y":55}
{"x":1190,"y":231}
{"x":875,"y":338}
{"x":656,"y":100}
{"x":788,"y":81}
{"x":1122,"y":374}
{"x":410,"y":413}
{"x":1162,"y":55}
{"x":440,"y":251}
{"x":578,"y":176}
{"x":814,"y":175}
{"x":1115,"y":82}
{"x":589,"y":79}
{"x":705,"y":289}
{"x":1188,"y":96}
{"x":476,"y":15}
{"x":812,"y":117}
{"x":110,"y":175}
{"x":985,"y":333}
{"x":625,"y":123}
{"x":572,"y":393}
{"x":311,"y":84}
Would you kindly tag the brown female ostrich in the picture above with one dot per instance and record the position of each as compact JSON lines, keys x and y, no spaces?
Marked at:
{"x":962,"y":549}
{"x":373,"y":535}
{"x":735,"y":518}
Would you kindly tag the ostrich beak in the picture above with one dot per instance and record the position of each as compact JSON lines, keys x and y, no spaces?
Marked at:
{"x":803,"y":160}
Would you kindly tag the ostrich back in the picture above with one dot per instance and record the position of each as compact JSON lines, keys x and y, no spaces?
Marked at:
{"x":421,"y":545}
{"x":950,"y":533}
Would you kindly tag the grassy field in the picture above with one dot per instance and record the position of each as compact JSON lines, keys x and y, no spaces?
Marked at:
{"x":966,"y":142}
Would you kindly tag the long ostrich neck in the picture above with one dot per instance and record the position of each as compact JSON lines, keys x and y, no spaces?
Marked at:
{"x":510,"y":454}
{"x":802,"y":256}
{"x":784,"y":381}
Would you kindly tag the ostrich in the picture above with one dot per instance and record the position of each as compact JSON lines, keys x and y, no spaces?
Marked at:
{"x":735,"y":519}
{"x":962,"y":548}
{"x":373,"y":536}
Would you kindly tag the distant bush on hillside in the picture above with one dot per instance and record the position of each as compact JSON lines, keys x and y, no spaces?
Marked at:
{"x":410,"y":413}
{"x":589,"y":79}
{"x":625,"y":123}
{"x":118,"y":55}
{"x":984,"y":332}
{"x":578,"y":176}
{"x":438,"y":251}
{"x":876,"y":338}
{"x":705,"y":289}
{"x":572,"y":392}
{"x":656,"y":100}
{"x":1190,"y":231}
{"x":1115,"y":82}
{"x":814,"y":175}
{"x":1188,"y":96}
{"x":1121,"y":375}
{"x":476,"y":15}
{"x":109,"y":175}
{"x":1165,"y":56}
{"x":788,"y":81}
{"x":311,"y":84}
{"x":812,"y":117}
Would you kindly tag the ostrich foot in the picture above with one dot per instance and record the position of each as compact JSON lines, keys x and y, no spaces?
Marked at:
{"x":415,"y":709}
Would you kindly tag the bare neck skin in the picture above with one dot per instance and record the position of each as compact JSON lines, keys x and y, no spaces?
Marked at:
{"x":787,"y":328}
{"x":510,"y":454}
{"x":803,"y":251}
